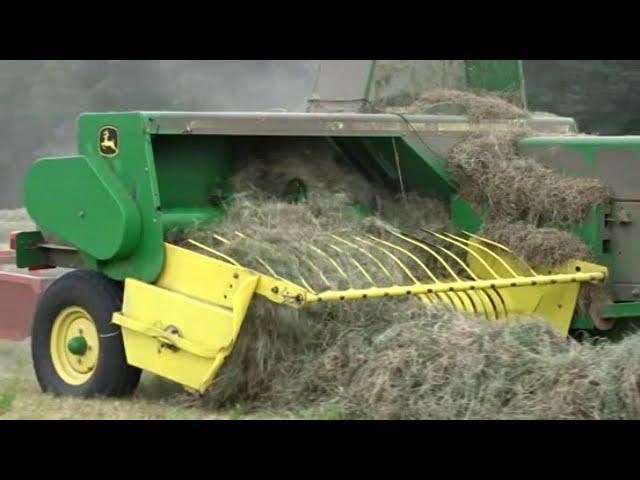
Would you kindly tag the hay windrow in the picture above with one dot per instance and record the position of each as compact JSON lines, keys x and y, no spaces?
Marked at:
{"x":396,"y":357}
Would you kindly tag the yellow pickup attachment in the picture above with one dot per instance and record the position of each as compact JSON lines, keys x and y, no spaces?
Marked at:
{"x":186,"y":324}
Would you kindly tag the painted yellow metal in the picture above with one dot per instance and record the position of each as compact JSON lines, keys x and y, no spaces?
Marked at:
{"x":460,"y":300}
{"x":366,"y":253}
{"x":186,"y":324}
{"x":72,"y":322}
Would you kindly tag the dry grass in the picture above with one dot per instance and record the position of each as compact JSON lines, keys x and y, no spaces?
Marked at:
{"x":388,"y":358}
{"x":539,"y":246}
{"x":476,"y":105}
{"x":397,"y":358}
{"x":489,"y":169}
{"x":451,"y":367}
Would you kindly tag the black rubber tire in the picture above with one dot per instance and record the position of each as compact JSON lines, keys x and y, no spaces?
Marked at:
{"x":100,"y":297}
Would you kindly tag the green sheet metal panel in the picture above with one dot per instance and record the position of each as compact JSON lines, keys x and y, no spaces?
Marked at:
{"x":192,"y":174}
{"x":134,"y":165}
{"x":81,"y":200}
{"x":615,"y":161}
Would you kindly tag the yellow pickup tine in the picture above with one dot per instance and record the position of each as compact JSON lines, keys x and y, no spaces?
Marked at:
{"x":331,"y":260}
{"x":367,"y":253}
{"x":477,"y":298}
{"x":464,"y":247}
{"x":406,"y":270}
{"x":424,"y":297}
{"x":215,"y":252}
{"x":485,"y":249}
{"x":355,"y":263}
{"x":502,"y":247}
{"x":459,"y":301}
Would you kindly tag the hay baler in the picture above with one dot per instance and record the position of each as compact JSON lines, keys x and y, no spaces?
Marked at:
{"x":133,"y":301}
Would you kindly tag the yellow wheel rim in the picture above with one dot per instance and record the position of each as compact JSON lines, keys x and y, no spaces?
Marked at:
{"x":74,"y":345}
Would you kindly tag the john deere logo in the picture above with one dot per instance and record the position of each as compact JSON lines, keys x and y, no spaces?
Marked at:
{"x":108,"y":141}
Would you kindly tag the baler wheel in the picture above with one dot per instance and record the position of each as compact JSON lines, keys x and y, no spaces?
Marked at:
{"x":76,"y":349}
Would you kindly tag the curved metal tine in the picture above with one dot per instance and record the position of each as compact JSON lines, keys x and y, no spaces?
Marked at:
{"x":426,"y":297}
{"x":489,"y":251}
{"x":503,"y":247}
{"x":367,"y":253}
{"x":410,"y":255}
{"x":355,"y":263}
{"x":331,"y":260}
{"x":262,"y":262}
{"x":215,"y":252}
{"x":319,"y":272}
{"x":307,"y":286}
{"x":466,"y":297}
{"x":498,"y":302}
{"x":271,"y":270}
{"x":483,"y":297}
{"x":456,"y":300}
{"x":464,"y":247}
{"x":478,"y":297}
{"x":495,"y":298}
{"x":427,"y":248}
{"x":221,"y":238}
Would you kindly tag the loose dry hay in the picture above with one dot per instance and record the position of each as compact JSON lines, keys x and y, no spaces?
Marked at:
{"x":477,"y":106}
{"x":541,"y":247}
{"x":269,"y":235}
{"x":440,"y":365}
{"x":548,"y":248}
{"x":488,"y":167}
{"x":397,"y":358}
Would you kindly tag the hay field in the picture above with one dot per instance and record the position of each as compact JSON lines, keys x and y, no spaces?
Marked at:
{"x":386,"y":358}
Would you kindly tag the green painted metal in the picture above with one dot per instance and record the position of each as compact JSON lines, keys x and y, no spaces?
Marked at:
{"x":463,"y":215}
{"x":78,"y":345}
{"x":84,"y":202}
{"x":410,"y":164}
{"x":621,"y":310}
{"x":581,"y":321}
{"x":369,"y":84}
{"x":135,"y":168}
{"x":592,"y":232}
{"x":170,"y":173}
{"x":28,"y":254}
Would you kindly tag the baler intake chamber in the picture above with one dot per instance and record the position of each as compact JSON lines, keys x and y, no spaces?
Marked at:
{"x":183,"y":325}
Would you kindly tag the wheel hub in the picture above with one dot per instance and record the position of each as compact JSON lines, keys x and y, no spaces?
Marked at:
{"x":74,"y":345}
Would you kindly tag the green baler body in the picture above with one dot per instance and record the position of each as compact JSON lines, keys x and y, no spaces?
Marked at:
{"x":171,"y":171}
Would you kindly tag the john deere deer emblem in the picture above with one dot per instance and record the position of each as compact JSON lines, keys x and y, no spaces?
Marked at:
{"x":108,"y":141}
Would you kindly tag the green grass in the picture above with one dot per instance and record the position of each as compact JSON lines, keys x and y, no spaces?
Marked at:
{"x":6,"y":399}
{"x":155,"y":398}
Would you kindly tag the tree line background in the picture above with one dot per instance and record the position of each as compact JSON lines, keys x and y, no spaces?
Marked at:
{"x":40,"y":99}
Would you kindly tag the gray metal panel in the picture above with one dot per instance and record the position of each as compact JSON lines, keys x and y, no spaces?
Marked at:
{"x":342,"y":85}
{"x":333,"y":124}
{"x":343,"y":80}
{"x":625,"y":292}
{"x":560,"y":158}
{"x":624,"y":246}
{"x":405,"y":80}
{"x":620,"y":170}
{"x":617,"y":168}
